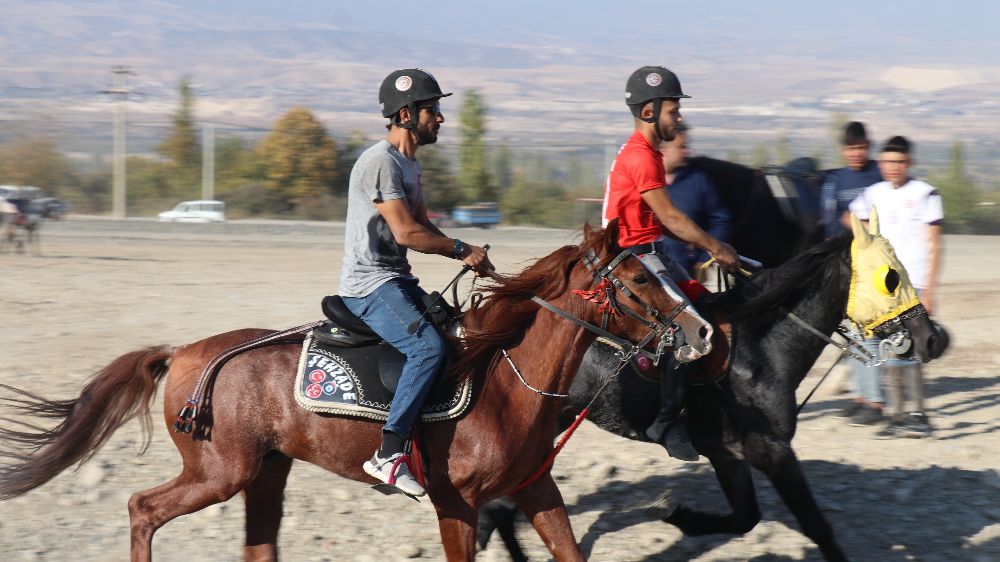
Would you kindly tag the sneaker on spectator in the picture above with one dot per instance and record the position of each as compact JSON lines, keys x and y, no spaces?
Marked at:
{"x":892,"y":429}
{"x":867,"y":415}
{"x":849,"y":410}
{"x":915,"y":426}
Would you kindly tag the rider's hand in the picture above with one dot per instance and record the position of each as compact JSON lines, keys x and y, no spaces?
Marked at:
{"x":476,"y":258}
{"x":726,"y":256}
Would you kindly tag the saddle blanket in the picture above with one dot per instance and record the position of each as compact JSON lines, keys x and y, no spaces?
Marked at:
{"x":347,"y":381}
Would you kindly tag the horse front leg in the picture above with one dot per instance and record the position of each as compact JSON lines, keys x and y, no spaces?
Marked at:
{"x":457,"y":519}
{"x":777,"y":460}
{"x":736,"y":481}
{"x":542,"y":503}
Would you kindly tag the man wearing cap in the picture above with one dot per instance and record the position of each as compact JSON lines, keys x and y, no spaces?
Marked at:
{"x":386,"y":216}
{"x":636,"y":195}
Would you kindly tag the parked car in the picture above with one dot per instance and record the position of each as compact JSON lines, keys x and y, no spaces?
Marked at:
{"x":50,"y":207}
{"x":196,"y":211}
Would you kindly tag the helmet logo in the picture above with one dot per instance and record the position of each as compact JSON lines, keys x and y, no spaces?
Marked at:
{"x":653,"y":79}
{"x":403,"y":83}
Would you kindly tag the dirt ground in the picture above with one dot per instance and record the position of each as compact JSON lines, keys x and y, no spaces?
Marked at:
{"x":101,"y":288}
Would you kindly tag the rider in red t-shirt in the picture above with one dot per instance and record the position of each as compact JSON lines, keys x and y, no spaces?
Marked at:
{"x":636,"y":195}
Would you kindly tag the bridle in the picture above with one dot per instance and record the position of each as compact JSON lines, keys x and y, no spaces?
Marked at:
{"x":661,"y":325}
{"x":609,"y":285}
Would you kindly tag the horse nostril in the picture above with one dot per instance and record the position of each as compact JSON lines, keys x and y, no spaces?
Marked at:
{"x":703,"y":332}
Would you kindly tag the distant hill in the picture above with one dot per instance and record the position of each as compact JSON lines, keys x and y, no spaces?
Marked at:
{"x":545,"y":91}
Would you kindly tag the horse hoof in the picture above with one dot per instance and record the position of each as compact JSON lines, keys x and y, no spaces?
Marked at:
{"x":662,"y":508}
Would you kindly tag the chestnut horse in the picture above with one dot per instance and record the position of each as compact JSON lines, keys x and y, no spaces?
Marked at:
{"x":257,"y":429}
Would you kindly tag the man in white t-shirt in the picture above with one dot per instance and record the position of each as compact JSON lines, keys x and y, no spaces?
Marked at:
{"x":910,"y":216}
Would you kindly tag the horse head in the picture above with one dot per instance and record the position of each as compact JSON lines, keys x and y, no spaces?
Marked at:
{"x":883,"y":302}
{"x":651,"y":302}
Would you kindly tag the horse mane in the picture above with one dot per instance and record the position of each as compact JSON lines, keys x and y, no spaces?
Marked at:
{"x":762,"y":301}
{"x":500,"y":319}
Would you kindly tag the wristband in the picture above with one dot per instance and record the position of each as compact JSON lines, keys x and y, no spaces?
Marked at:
{"x":458,"y":250}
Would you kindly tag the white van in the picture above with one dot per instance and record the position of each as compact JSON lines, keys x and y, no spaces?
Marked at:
{"x":196,"y":211}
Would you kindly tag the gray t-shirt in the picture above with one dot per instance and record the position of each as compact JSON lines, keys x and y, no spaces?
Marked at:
{"x":371,"y":254}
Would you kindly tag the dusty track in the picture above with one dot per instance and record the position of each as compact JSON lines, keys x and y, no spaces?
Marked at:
{"x":101,"y":288}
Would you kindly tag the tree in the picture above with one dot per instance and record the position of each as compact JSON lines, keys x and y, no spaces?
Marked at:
{"x":299,"y":158}
{"x":472,"y":174}
{"x":542,"y":203}
{"x":346,"y":157}
{"x":761,"y":156}
{"x":783,"y":150}
{"x":502,"y":168}
{"x":959,"y":193}
{"x":441,"y":190}
{"x":37,"y":162}
{"x":181,"y":146}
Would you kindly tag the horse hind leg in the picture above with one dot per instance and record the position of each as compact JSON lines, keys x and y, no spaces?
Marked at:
{"x":194,"y":489}
{"x":264,"y":497}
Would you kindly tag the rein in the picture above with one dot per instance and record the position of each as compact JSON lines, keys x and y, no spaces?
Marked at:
{"x":851,"y":348}
{"x":662,"y":326}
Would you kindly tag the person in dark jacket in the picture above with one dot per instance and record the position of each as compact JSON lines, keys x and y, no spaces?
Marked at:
{"x":696,"y":196}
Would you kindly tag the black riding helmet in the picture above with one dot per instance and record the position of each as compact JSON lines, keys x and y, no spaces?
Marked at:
{"x":407,"y":88}
{"x":652,"y":83}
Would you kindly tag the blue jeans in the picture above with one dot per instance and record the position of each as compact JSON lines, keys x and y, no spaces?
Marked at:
{"x":866,"y":379}
{"x":388,"y":310}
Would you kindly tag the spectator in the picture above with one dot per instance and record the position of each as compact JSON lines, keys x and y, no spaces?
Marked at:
{"x":693,"y":193}
{"x":840,"y":187}
{"x":843,"y":185}
{"x":910,"y":217}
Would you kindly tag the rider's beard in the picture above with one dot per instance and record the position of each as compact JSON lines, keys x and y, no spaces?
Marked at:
{"x":426,"y":136}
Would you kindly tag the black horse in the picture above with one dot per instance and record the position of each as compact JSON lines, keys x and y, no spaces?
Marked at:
{"x":749,"y":417}
{"x":774,"y":210}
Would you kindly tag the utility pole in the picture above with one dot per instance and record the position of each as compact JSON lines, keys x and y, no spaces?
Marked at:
{"x":208,"y":161}
{"x":121,"y":90}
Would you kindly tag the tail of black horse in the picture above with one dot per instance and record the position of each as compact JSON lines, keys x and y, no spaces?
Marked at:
{"x":115,"y":395}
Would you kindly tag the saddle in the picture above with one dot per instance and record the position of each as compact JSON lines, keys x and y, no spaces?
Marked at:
{"x":345,"y":368}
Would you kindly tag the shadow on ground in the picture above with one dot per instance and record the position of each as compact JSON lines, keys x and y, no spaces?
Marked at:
{"x":887,"y":515}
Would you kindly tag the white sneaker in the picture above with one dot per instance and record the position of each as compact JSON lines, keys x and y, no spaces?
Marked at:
{"x":394,"y":472}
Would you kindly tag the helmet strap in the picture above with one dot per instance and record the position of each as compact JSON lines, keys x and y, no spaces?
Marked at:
{"x":657,"y":107}
{"x":655,"y":119}
{"x":414,"y":116}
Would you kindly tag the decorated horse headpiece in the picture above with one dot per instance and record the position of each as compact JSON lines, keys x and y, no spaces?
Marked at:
{"x":880,"y":292}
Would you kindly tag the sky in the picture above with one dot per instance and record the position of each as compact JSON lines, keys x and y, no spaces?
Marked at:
{"x":854,"y":24}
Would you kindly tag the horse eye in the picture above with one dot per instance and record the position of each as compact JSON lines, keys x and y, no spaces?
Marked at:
{"x":886,"y":280}
{"x":640,"y":279}
{"x":892,"y":280}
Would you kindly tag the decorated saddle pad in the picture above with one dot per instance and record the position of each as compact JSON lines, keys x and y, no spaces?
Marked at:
{"x":349,"y":381}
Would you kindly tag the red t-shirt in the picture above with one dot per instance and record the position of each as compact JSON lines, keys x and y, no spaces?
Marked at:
{"x":637,"y":168}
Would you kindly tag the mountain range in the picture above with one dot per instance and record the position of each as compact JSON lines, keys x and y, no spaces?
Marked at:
{"x":542,"y":91}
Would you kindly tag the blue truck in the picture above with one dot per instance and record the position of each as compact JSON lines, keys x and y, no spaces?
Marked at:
{"x":483,"y":215}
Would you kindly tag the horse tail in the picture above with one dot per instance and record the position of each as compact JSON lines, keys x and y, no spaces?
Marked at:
{"x":115,"y":395}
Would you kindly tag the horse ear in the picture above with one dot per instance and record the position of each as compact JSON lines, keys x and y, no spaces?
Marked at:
{"x":611,"y":236}
{"x":861,"y":235}
{"x":873,"y":223}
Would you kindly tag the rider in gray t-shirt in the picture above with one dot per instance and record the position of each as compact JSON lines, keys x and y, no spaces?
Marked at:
{"x":386,"y":216}
{"x":371,"y":254}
